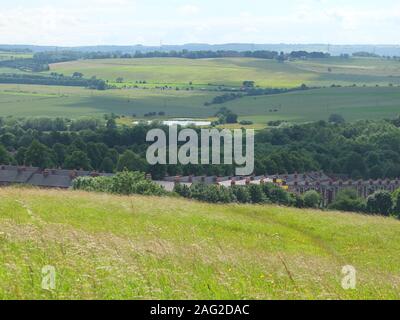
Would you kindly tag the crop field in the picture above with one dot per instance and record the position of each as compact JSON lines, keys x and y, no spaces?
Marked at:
{"x":233,"y":71}
{"x":376,"y":96}
{"x":5,"y":55}
{"x":112,"y":247}
{"x":352,"y":103}
{"x":302,"y":106}
{"x":35,"y":100}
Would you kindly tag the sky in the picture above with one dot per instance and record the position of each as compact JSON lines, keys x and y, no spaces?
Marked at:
{"x":151,"y":22}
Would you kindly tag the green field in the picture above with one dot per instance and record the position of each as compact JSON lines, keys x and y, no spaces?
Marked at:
{"x":111,"y":247}
{"x":366,"y":101}
{"x":352,"y":103}
{"x":233,"y":71}
{"x":5,"y":55}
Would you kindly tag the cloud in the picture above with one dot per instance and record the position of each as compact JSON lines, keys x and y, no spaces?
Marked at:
{"x":189,"y":9}
{"x":90,"y":22}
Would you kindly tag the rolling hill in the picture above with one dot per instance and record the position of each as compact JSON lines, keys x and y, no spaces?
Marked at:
{"x":51,"y":101}
{"x":112,"y":247}
{"x":233,"y":71}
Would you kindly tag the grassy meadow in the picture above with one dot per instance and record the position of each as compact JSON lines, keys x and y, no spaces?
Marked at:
{"x":352,"y":103}
{"x":7,"y":55}
{"x":376,"y":96}
{"x":233,"y":71}
{"x":112,"y":247}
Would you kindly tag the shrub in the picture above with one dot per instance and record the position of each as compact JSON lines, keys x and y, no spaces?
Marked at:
{"x":183,"y":190}
{"x":348,"y":200}
{"x":312,"y":199}
{"x":275,"y":194}
{"x":242,"y":194}
{"x":396,"y":203}
{"x":125,"y":183}
{"x":380,"y":203}
{"x":212,"y":193}
{"x":256,"y":193}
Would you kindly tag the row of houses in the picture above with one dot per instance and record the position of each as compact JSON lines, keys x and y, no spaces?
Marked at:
{"x":47,"y":178}
{"x":326,"y":185}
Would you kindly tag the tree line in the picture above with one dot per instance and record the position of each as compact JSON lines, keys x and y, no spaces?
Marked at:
{"x":54,"y":80}
{"x":361,"y":150}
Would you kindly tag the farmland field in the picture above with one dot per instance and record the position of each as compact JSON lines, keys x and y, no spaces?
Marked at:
{"x":233,"y":71}
{"x":6,"y":55}
{"x":376,"y":96}
{"x":352,"y":103}
{"x":112,"y":247}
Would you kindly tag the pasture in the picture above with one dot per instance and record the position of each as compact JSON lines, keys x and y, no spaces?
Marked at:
{"x":7,"y":55}
{"x":302,"y":106}
{"x":113,"y":247}
{"x":233,"y":71}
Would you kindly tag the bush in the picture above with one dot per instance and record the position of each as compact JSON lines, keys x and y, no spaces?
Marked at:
{"x":396,"y":203}
{"x":348,"y":200}
{"x":212,"y":193}
{"x":380,"y":203}
{"x":312,"y":199}
{"x":242,"y":194}
{"x":276,"y":194}
{"x":125,"y":183}
{"x":183,"y":190}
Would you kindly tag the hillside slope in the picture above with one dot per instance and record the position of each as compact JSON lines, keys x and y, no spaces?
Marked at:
{"x":108,"y":247}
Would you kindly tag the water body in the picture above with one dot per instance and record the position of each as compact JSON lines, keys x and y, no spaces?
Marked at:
{"x":182,"y":122}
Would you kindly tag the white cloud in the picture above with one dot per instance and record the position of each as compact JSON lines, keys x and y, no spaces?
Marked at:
{"x":77,"y":22}
{"x":189,"y":9}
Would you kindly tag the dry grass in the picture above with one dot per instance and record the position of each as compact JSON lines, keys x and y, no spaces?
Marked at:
{"x":110,"y":247}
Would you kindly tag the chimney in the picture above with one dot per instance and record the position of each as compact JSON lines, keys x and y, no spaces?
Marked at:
{"x":72,"y":174}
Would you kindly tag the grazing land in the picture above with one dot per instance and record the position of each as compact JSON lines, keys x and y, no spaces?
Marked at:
{"x":302,"y":106}
{"x":365,"y":88}
{"x":112,"y":247}
{"x":233,"y":71}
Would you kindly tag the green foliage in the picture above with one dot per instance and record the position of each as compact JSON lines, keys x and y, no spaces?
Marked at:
{"x":252,"y":193}
{"x":242,"y":194}
{"x":348,"y":200}
{"x":396,"y":203}
{"x":312,"y":199}
{"x":4,"y":157}
{"x":39,"y":155}
{"x":380,"y":203}
{"x":124,"y":183}
{"x":78,"y":160}
{"x":336,"y":118}
{"x":256,"y":193}
{"x":211,"y":193}
{"x":132,"y":162}
{"x":226,"y":116}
